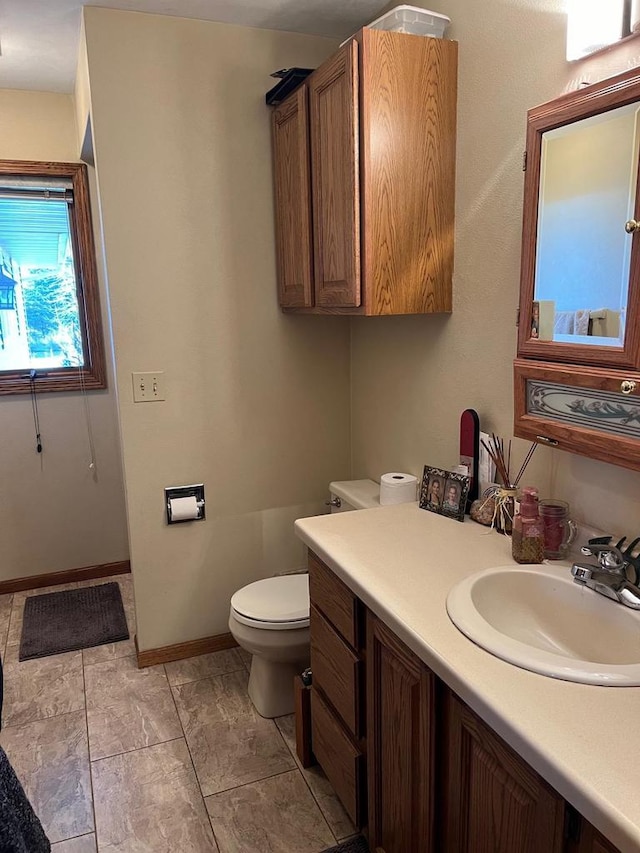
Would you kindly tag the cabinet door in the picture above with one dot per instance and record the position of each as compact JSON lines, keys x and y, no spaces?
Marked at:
{"x":400,"y":745}
{"x":580,"y":269}
{"x":333,"y":92}
{"x":586,"y":410}
{"x":408,"y":142}
{"x":290,"y":133}
{"x":494,"y":800}
{"x":585,"y":838}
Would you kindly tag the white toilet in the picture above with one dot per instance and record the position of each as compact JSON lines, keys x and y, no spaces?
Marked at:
{"x":270,"y":618}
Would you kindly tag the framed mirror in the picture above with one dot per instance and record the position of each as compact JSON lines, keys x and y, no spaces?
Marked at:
{"x":580,"y":289}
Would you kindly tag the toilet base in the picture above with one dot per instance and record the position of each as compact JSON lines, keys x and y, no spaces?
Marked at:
{"x":277,"y":656}
{"x":271,"y":686}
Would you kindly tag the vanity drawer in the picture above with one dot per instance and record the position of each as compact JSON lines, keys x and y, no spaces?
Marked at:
{"x":343,"y":764}
{"x":336,"y":601}
{"x":337,"y":671}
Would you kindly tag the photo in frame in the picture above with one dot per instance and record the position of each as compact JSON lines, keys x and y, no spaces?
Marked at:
{"x":444,"y":492}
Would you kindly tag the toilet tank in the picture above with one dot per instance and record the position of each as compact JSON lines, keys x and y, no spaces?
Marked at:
{"x":354,"y":494}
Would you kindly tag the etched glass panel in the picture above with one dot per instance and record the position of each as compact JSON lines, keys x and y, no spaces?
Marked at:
{"x":604,"y":411}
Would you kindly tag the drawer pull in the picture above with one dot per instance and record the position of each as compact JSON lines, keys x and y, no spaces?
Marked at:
{"x":627,"y":386}
{"x":549,"y":441}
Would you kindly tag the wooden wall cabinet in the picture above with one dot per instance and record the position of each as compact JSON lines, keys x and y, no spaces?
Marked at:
{"x":373,"y":198}
{"x":581,"y":391}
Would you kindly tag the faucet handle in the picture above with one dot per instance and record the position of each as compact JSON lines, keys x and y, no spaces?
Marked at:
{"x":610,"y":558}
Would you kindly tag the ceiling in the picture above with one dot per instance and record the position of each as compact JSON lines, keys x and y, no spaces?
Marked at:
{"x":39,"y":38}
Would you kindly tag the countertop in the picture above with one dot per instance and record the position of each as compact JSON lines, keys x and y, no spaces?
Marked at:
{"x":402,"y":561}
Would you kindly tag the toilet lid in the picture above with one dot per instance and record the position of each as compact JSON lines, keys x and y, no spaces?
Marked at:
{"x":280,"y":599}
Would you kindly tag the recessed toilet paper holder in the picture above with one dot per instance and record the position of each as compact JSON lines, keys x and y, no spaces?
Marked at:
{"x":177,"y":493}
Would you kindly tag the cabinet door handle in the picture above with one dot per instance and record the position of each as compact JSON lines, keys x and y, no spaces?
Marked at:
{"x":627,"y":386}
{"x":552,"y":442}
{"x":632,"y":226}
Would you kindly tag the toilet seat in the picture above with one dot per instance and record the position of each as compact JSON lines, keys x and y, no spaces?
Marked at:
{"x":277,"y":604}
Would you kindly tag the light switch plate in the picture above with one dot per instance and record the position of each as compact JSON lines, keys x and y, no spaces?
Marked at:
{"x":148,"y":387}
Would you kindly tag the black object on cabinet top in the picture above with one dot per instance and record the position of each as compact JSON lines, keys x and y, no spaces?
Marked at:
{"x":290,"y":79}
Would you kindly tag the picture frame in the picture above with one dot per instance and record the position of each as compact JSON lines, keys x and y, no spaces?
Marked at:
{"x":444,"y":492}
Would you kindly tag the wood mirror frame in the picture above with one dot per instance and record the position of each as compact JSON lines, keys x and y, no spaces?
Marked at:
{"x":584,"y":103}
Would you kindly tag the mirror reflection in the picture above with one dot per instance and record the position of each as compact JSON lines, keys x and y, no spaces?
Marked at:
{"x":587,"y":195}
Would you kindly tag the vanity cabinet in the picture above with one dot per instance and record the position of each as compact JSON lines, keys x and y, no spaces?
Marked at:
{"x":364,"y":171}
{"x":412,"y":764}
{"x":577,"y":374}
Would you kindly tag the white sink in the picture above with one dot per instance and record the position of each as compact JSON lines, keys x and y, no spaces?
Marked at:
{"x":537,"y":618}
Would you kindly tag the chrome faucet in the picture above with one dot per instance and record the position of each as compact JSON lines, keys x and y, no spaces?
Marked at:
{"x":608,"y":576}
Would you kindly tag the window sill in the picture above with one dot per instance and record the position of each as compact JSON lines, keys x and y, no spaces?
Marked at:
{"x":606,"y":49}
{"x":53,"y":380}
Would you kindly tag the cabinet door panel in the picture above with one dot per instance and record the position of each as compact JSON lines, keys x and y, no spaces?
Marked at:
{"x":408,"y":104}
{"x":333,"y":92}
{"x":400,"y":738}
{"x":495,"y":801}
{"x":290,"y":132}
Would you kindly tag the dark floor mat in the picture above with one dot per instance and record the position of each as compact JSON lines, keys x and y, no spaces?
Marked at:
{"x":353,"y":845}
{"x":72,"y":619}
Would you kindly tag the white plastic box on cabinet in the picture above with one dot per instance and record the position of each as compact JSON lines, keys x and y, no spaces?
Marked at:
{"x":412,"y":20}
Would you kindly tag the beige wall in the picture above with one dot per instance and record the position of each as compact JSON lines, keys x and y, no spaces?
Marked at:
{"x":37,"y":126}
{"x":56,"y":514}
{"x":257,"y":402}
{"x":82,"y":103}
{"x":413,"y":376}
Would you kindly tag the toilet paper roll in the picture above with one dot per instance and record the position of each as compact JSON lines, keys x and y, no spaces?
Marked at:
{"x":183,"y":509}
{"x":397,"y":488}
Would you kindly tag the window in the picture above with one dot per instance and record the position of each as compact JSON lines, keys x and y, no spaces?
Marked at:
{"x":50,"y":329}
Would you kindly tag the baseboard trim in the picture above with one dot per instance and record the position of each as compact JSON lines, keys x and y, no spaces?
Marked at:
{"x":165,"y":654}
{"x":103,"y":570}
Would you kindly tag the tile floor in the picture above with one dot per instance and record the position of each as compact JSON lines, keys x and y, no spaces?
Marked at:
{"x":168,"y":759}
